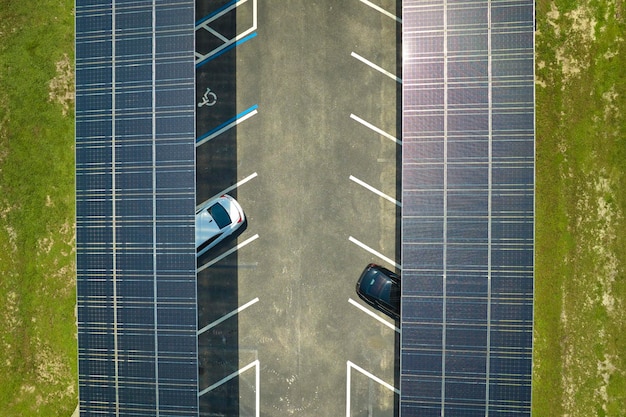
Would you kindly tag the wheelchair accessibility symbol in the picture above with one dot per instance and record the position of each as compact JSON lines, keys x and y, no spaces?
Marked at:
{"x":208,"y":99}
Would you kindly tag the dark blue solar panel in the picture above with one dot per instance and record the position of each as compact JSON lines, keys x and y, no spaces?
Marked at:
{"x":135,"y":187}
{"x":467,"y":208}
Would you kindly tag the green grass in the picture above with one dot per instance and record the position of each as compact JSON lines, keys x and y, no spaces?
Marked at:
{"x":581,"y":164}
{"x":580,"y":348}
{"x":37,"y":267}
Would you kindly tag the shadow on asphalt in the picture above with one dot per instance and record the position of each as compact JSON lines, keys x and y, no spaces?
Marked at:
{"x":216,"y":170}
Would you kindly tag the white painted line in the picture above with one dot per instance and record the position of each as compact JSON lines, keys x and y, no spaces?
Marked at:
{"x":228,"y":126}
{"x":257,"y":382}
{"x":376,"y":67}
{"x":373,"y":252}
{"x":374,"y":377}
{"x":375,"y":129}
{"x":227,"y":316}
{"x":228,"y":252}
{"x":375,"y":191}
{"x":351,"y":365}
{"x":365,"y":310}
{"x":348,"y":383}
{"x":229,"y":189}
{"x":205,"y":25}
{"x":222,"y":13}
{"x":216,"y":33}
{"x":381,"y":10}
{"x":257,"y":379}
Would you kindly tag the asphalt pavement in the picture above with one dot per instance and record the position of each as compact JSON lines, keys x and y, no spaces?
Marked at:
{"x":301,"y":124}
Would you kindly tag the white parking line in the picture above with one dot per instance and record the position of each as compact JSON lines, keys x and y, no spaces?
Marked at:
{"x":228,"y":126}
{"x":365,"y":310}
{"x":381,"y":10}
{"x":228,"y":252}
{"x":216,"y":33}
{"x":229,"y":189}
{"x":373,"y":252}
{"x":351,"y":365}
{"x":227,"y":316}
{"x":376,"y":67}
{"x":375,"y":191}
{"x":257,"y":380}
{"x":375,"y":129}
{"x":227,"y":42}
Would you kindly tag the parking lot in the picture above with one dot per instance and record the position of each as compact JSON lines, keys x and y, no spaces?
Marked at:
{"x":298,"y":118}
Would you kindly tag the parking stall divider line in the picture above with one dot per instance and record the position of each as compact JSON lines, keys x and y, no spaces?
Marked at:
{"x":373,"y":377}
{"x":225,"y":49}
{"x":374,"y":128}
{"x":217,"y":34}
{"x":348,"y":383}
{"x":220,"y":11}
{"x":229,"y":189}
{"x":365,"y":310}
{"x":228,"y":252}
{"x":227,"y":316}
{"x":381,"y":10}
{"x":351,"y":365}
{"x":374,"y":252}
{"x":375,"y":191}
{"x":255,"y":364}
{"x":228,"y":124}
{"x":376,"y":67}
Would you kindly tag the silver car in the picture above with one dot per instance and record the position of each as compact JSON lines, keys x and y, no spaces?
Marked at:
{"x":216,"y":220}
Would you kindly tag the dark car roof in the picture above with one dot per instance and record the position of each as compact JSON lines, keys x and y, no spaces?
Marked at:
{"x":380,"y":287}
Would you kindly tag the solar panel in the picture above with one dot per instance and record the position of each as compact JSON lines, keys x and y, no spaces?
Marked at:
{"x":135,"y":205}
{"x":467,"y":208}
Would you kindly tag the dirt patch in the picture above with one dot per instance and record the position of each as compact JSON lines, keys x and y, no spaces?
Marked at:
{"x":11,"y":315}
{"x":578,"y":28}
{"x":44,"y":245}
{"x":595,"y":226}
{"x":610,"y":108}
{"x":583,"y":23}
{"x":553,"y":17}
{"x":4,"y":137}
{"x":12,"y":234}
{"x":62,"y":85}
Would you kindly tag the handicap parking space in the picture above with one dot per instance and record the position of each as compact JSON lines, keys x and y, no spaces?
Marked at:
{"x":306,"y":137}
{"x":216,"y":94}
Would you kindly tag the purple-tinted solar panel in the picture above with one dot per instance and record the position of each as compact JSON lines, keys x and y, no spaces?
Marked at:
{"x":468,"y":208}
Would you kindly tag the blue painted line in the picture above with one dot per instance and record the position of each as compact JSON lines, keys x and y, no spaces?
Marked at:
{"x":227,"y":122}
{"x":239,"y":42}
{"x":213,"y":13}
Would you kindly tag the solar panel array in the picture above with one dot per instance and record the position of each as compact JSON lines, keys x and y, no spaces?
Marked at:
{"x":135,"y":205}
{"x":467,"y":208}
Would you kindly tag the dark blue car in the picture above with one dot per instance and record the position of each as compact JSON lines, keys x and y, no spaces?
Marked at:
{"x":380,"y":288}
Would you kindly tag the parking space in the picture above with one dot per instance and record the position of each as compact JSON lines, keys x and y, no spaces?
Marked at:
{"x":306,"y":137}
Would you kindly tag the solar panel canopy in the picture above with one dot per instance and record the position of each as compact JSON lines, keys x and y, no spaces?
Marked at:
{"x":467,"y":208}
{"x":135,"y":205}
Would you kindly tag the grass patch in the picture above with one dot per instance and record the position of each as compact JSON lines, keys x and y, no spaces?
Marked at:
{"x":580,"y":331}
{"x":580,"y":350}
{"x":38,"y":371}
